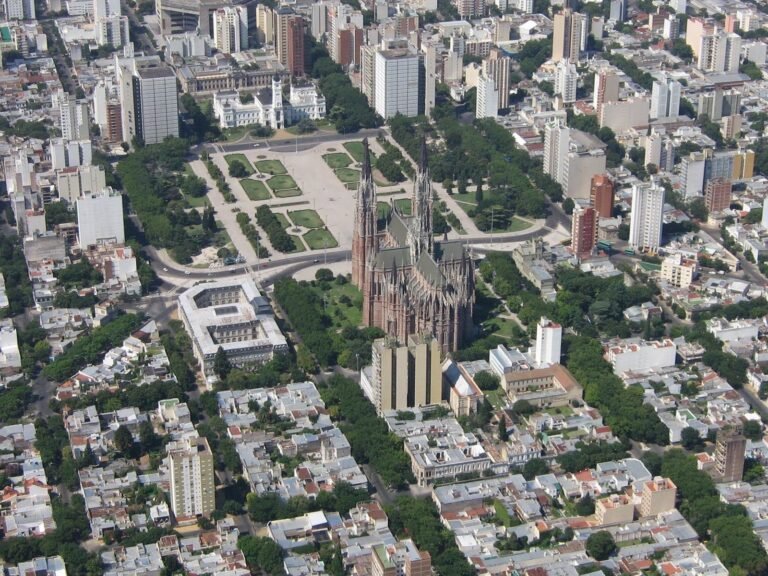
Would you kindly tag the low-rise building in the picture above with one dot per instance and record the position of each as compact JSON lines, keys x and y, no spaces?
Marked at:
{"x":637,"y":354}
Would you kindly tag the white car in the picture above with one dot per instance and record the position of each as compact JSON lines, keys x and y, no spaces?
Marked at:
{"x":165,"y":269}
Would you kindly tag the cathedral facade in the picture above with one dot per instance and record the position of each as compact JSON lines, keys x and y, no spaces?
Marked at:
{"x":411,"y":284}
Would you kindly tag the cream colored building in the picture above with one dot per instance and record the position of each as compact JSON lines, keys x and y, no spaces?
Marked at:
{"x":404,"y":375}
{"x":678,"y":271}
{"x":190,"y":462}
{"x":614,"y":509}
{"x":658,"y":496}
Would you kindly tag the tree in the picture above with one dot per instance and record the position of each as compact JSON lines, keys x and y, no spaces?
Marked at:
{"x":753,"y":429}
{"x":221,"y":364}
{"x":123,"y":440}
{"x":237,"y":169}
{"x":585,"y":506}
{"x":689,"y":438}
{"x":487,"y":380}
{"x":535,"y":467}
{"x":601,"y":545}
{"x":568,"y":206}
{"x":523,"y":408}
{"x":324,"y":275}
{"x":653,"y":462}
{"x":503,"y":434}
{"x":698,"y":209}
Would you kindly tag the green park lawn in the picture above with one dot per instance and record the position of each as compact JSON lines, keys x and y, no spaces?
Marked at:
{"x":255,"y":189}
{"x":290,"y":193}
{"x":197,"y":201}
{"x":355,"y":150}
{"x":343,"y":303}
{"x":347,"y":175}
{"x":319,"y":238}
{"x":284,"y":222}
{"x":240,"y":158}
{"x":404,"y":205}
{"x":337,"y":160}
{"x":299,"y":245}
{"x":306,"y":218}
{"x":282,"y":182}
{"x":272,"y":167}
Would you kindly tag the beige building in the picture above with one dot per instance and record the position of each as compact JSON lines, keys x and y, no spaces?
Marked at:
{"x":569,"y":29}
{"x":678,"y":271}
{"x":614,"y":509}
{"x":404,"y":375}
{"x":400,"y":559}
{"x":658,"y":496}
{"x":729,"y":455}
{"x":190,"y":462}
{"x":551,"y":386}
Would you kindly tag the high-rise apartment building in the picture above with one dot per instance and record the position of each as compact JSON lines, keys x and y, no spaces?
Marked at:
{"x":112,"y":27}
{"x":569,"y":36}
{"x":193,"y":492}
{"x":556,"y":139}
{"x":74,"y":120}
{"x":730,"y":448}
{"x":498,"y":66}
{"x":717,"y":194}
{"x":719,"y":103}
{"x":606,"y":88}
{"x":583,"y":231}
{"x":148,"y":101}
{"x":487,"y":101}
{"x":289,"y":37}
{"x":345,"y":34}
{"x":405,"y":375}
{"x":618,"y":10}
{"x":646,"y":218}
{"x":70,"y":153}
{"x":572,"y":157}
{"x":566,"y":79}
{"x":719,"y":52}
{"x":601,"y":195}
{"x":265,"y":25}
{"x":100,"y":219}
{"x":470,"y":8}
{"x":230,"y":29}
{"x":665,"y":99}
{"x":549,"y":338}
{"x":695,"y":29}
{"x":399,"y":83}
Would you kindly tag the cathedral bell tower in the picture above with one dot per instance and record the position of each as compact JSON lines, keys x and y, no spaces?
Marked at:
{"x":364,"y":235}
{"x":420,"y":237}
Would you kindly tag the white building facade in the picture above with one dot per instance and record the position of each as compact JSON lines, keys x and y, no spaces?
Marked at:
{"x":646,"y":218}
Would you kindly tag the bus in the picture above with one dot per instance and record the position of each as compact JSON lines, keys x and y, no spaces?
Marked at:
{"x":629,"y":251}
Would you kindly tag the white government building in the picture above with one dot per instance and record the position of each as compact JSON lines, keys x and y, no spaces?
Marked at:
{"x":232,"y":315}
{"x":269,"y":108}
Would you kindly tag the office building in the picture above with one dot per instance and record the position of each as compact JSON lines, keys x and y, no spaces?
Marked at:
{"x":148,"y":101}
{"x":20,"y":9}
{"x":404,"y":375}
{"x":583,"y":231}
{"x":601,"y":195}
{"x":233,"y":316}
{"x":658,"y":496}
{"x":100,"y":219}
{"x":717,"y":194}
{"x":230,"y":29}
{"x":487,"y":101}
{"x":399,"y":83}
{"x":665,"y":99}
{"x":549,"y":337}
{"x":193,"y":492}
{"x":289,"y":37}
{"x":606,"y":88}
{"x":498,"y":67}
{"x":730,"y":448}
{"x":566,"y":79}
{"x":646,"y":218}
{"x":569,"y":37}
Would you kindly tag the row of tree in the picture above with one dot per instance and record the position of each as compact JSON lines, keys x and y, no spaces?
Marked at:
{"x":221,"y":182}
{"x":252,"y":234}
{"x":270,"y":223}
{"x":13,"y":266}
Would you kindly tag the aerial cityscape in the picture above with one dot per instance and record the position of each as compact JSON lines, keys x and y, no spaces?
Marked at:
{"x":384,"y":287}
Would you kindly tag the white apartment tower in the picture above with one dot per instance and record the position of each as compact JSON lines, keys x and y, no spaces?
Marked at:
{"x":73,"y":116}
{"x":20,"y":9}
{"x":193,"y":492}
{"x":566,"y":79}
{"x":148,"y":100}
{"x":549,"y":336}
{"x":646,"y":218}
{"x":556,"y":140}
{"x":719,"y":52}
{"x":665,"y":99}
{"x":399,"y":83}
{"x":230,"y":29}
{"x":487,"y":102}
{"x":100,"y":219}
